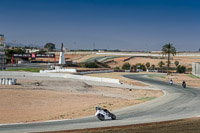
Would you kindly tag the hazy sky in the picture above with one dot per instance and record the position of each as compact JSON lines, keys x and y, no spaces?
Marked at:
{"x":103,"y":24}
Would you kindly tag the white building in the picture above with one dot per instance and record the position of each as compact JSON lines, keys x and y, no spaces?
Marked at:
{"x":2,"y":40}
{"x":2,"y":57}
{"x":196,"y":68}
{"x":2,"y":52}
{"x":32,"y":50}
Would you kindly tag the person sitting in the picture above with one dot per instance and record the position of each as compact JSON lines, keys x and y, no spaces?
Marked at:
{"x":184,"y":84}
{"x":171,"y":82}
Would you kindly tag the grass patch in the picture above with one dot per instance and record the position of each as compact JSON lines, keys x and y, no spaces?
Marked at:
{"x":146,"y":98}
{"x":25,"y":69}
{"x":193,"y":76}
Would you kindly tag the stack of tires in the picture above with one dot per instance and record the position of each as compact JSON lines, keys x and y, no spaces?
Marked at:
{"x":8,"y":81}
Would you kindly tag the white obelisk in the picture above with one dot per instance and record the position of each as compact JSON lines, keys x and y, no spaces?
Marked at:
{"x":62,"y":56}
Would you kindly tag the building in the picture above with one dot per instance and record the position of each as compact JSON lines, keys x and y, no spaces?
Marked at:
{"x":2,"y":58}
{"x":2,"y":52}
{"x":2,"y":40}
{"x":196,"y":69}
{"x":33,"y":50}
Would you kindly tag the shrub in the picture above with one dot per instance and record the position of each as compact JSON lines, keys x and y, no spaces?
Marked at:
{"x":176,"y":63}
{"x":160,"y":64}
{"x":126,"y":66}
{"x":181,"y":69}
{"x":153,"y":67}
{"x":91,"y":65}
{"x":139,"y":66}
{"x":147,"y":65}
{"x":117,"y":68}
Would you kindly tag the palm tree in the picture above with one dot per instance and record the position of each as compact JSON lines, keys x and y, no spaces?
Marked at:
{"x":168,"y":49}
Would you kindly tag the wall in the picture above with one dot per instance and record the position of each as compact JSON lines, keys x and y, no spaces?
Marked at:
{"x":196,"y":68}
{"x":79,"y":77}
{"x":59,"y":70}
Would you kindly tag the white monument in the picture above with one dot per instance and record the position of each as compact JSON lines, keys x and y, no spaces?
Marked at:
{"x":62,"y":55}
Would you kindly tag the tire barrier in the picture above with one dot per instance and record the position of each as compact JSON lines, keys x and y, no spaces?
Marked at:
{"x":8,"y":81}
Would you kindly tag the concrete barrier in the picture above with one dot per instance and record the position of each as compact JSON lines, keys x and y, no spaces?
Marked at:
{"x":59,"y":70}
{"x":90,"y":72}
{"x":8,"y":81}
{"x":79,"y":77}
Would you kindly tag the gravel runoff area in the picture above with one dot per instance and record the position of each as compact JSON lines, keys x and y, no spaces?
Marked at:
{"x":60,"y":98}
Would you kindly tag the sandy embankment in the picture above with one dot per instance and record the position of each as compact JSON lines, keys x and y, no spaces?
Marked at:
{"x":58,"y":98}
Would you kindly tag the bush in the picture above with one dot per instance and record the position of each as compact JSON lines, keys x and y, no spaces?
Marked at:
{"x":126,"y":66}
{"x":176,"y":63}
{"x":153,"y":67}
{"x":117,"y":68}
{"x":91,"y":65}
{"x":139,"y":66}
{"x":160,"y":64}
{"x":181,"y":69}
{"x":147,"y":65}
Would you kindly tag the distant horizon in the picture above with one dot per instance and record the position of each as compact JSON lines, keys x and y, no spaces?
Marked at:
{"x":121,"y":50}
{"x":140,"y":25}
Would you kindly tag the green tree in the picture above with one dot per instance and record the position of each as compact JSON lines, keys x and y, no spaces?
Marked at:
{"x":126,"y":66}
{"x":117,"y":68}
{"x":50,"y":46}
{"x":41,"y":51}
{"x":176,"y":63}
{"x":91,"y":65}
{"x":10,"y":52}
{"x":168,"y":49}
{"x":139,"y":66}
{"x":153,"y":67}
{"x":147,"y":65}
{"x":160,"y":64}
{"x":181,"y":69}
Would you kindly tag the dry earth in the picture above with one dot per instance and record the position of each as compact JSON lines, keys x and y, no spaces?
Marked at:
{"x":58,"y":98}
{"x":187,"y":61}
{"x":183,"y":60}
{"x":191,"y":125}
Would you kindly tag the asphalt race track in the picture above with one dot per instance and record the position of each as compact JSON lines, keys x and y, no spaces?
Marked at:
{"x":177,"y":103}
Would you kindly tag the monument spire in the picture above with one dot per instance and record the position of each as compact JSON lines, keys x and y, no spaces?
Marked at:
{"x":62,"y":55}
{"x":61,"y":47}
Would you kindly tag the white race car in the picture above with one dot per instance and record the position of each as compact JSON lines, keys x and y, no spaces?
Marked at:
{"x":103,"y":114}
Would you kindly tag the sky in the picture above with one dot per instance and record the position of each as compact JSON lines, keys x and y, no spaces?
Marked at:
{"x":144,"y":25}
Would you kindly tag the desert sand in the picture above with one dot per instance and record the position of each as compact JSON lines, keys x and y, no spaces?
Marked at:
{"x":58,"y":98}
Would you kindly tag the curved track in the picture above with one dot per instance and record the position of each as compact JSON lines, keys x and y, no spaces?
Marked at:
{"x":177,"y":103}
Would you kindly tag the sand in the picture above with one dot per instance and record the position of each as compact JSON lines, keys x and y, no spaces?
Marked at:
{"x":58,"y":98}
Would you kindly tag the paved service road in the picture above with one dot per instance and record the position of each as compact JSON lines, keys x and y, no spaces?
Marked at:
{"x":177,"y":103}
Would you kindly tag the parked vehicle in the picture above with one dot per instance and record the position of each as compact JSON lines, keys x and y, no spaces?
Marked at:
{"x":103,"y":114}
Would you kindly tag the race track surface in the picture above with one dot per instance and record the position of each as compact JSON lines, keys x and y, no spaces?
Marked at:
{"x":177,"y":103}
